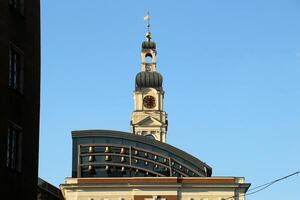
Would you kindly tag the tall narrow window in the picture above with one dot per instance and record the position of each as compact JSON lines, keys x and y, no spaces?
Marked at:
{"x":13,"y":148}
{"x":15,"y":79}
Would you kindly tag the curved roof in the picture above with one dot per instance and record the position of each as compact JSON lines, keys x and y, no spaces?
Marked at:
{"x":148,"y":45}
{"x":102,"y":153}
{"x":149,"y":79}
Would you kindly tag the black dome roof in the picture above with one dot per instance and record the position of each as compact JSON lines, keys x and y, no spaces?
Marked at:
{"x":148,"y":45}
{"x":148,"y":79}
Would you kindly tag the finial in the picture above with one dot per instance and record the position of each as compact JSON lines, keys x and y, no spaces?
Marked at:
{"x":148,"y":34}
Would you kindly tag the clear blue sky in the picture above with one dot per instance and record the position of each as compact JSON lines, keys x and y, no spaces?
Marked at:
{"x":231,"y":77}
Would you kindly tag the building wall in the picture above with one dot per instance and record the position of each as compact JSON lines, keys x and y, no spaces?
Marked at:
{"x":159,"y":188}
{"x":46,"y":191}
{"x":19,"y":106}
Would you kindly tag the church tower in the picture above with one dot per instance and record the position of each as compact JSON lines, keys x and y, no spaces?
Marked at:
{"x":149,"y":118}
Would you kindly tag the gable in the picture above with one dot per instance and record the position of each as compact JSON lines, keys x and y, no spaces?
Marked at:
{"x":149,"y":121}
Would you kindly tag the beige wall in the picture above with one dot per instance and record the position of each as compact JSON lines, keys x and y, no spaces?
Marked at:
{"x":171,"y":188}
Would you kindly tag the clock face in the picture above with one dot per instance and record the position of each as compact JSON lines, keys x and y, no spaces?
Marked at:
{"x":148,"y":68}
{"x":149,"y":101}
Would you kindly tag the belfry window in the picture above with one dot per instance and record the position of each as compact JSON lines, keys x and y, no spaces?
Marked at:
{"x":148,"y":58}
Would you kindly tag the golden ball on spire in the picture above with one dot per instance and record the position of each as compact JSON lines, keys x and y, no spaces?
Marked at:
{"x":148,"y":35}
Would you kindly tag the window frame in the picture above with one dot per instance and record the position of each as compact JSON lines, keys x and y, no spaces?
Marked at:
{"x":14,"y":147}
{"x":15,"y":68}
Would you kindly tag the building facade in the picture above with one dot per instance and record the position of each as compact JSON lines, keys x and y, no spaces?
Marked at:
{"x":19,"y":97}
{"x":155,"y":188}
{"x":113,"y":165}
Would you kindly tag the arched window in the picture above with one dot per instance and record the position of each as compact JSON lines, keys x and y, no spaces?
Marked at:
{"x":148,"y":58}
{"x":150,"y":137}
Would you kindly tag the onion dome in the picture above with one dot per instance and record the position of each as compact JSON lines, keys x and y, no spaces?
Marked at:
{"x":148,"y":45}
{"x":149,"y":79}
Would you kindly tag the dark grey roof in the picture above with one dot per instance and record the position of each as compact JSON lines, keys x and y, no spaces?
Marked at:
{"x":163,"y":159}
{"x":148,"y":45}
{"x":148,"y":79}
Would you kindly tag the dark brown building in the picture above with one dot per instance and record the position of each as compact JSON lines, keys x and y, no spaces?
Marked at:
{"x":46,"y":191}
{"x":19,"y":97}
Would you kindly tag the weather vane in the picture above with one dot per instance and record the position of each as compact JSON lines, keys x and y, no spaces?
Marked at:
{"x":147,"y":18}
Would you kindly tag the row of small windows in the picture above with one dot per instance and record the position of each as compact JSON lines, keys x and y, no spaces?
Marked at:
{"x":107,"y":198}
{"x":219,"y":198}
{"x":162,"y":198}
{"x":13,"y":147}
{"x":153,"y":198}
{"x":127,"y":161}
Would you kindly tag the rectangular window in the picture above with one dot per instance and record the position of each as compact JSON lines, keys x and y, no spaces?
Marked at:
{"x":13,"y":147}
{"x":17,"y":5}
{"x":15,"y":79}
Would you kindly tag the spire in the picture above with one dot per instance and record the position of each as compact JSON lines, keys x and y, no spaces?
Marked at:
{"x":148,"y":53}
{"x":148,"y":34}
{"x":148,"y":44}
{"x":149,"y":118}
